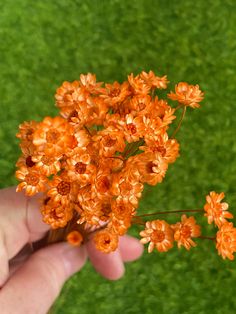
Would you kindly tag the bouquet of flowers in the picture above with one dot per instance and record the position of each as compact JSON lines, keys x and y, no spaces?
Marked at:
{"x":91,"y":163}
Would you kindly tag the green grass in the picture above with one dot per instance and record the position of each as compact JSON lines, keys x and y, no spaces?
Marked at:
{"x":43,"y":43}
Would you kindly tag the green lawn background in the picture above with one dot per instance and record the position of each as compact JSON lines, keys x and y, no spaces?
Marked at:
{"x":43,"y":43}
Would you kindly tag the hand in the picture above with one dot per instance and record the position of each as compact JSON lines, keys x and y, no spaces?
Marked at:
{"x":32,"y":282}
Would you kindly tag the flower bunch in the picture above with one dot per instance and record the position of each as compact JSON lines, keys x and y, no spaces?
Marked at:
{"x":91,"y":162}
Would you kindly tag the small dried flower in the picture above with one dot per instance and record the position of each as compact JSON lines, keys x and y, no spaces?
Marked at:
{"x":188,"y":95}
{"x":216,"y":211}
{"x":158,"y":234}
{"x":185,"y":230}
{"x":106,"y":241}
{"x":226,"y":240}
{"x":32,"y":181}
{"x":75,"y":238}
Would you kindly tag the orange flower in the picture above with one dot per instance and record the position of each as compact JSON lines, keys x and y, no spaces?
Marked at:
{"x":56,"y":214}
{"x":83,"y":138}
{"x":68,"y":94}
{"x":32,"y":181}
{"x":188,"y":95}
{"x":152,"y":168}
{"x":158,"y":234}
{"x":128,"y":189}
{"x":161,"y":145}
{"x":116,"y":93}
{"x":106,"y":241}
{"x":89,"y":214}
{"x":47,"y":164}
{"x":119,"y":226}
{"x":139,"y":102}
{"x":110,"y":141}
{"x":122,"y":209}
{"x":61,"y":189}
{"x":215,"y":210}
{"x":94,"y":211}
{"x":101,"y":184}
{"x":80,"y":115}
{"x":52,"y":135}
{"x":139,"y":86}
{"x":185,"y":230}
{"x":154,"y":81}
{"x":75,"y":238}
{"x":88,"y":81}
{"x":79,"y":168}
{"x":114,"y":163}
{"x":98,"y":111}
{"x":27,"y":130}
{"x":133,"y":128}
{"x":122,"y":213}
{"x":105,"y":208}
{"x":226,"y":240}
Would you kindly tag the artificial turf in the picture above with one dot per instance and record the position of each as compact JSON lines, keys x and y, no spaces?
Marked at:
{"x":43,"y":43}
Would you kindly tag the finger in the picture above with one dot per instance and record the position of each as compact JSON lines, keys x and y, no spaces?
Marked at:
{"x":20,"y":222}
{"x":35,"y":285}
{"x":130,"y":248}
{"x":109,"y":265}
{"x":4,"y":268}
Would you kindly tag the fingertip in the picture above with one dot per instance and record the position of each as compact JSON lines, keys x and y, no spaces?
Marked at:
{"x":108,"y":265}
{"x":130,"y":248}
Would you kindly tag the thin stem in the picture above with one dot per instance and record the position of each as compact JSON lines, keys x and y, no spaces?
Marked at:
{"x":138,"y":223}
{"x":171,"y":212}
{"x":134,"y":147}
{"x":87,"y":130}
{"x":179,"y":106}
{"x":153,"y":93}
{"x":117,"y":157}
{"x":180,"y":122}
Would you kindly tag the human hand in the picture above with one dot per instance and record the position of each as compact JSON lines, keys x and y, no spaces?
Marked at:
{"x":33,"y":281}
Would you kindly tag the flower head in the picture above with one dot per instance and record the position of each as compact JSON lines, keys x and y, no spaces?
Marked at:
{"x":32,"y":181}
{"x":188,"y":95}
{"x":154,"y":81}
{"x":226,"y":240}
{"x":158,"y":234}
{"x":56,"y":214}
{"x":185,"y":230}
{"x":216,"y":211}
{"x":106,"y":241}
{"x":75,"y":238}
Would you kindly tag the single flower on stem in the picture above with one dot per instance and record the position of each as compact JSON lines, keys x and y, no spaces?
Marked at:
{"x":187,"y":95}
{"x":158,"y":234}
{"x":226,"y":240}
{"x":215,"y":210}
{"x":185,"y":230}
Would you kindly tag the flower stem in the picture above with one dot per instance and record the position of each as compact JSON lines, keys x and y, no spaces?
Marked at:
{"x":180,"y":122}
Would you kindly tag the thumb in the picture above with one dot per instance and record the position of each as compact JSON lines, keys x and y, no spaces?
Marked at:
{"x":35,"y":285}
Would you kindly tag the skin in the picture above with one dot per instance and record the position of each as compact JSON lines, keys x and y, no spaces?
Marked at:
{"x":31,"y":281}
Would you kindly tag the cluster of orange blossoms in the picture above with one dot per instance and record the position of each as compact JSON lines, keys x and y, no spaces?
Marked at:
{"x":93,"y":160}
